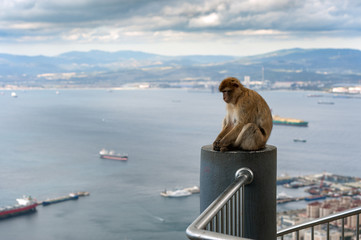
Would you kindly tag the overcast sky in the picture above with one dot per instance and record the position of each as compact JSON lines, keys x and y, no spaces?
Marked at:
{"x":177,"y":27}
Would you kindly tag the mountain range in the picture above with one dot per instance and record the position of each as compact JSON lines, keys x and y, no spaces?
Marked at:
{"x":113,"y":69}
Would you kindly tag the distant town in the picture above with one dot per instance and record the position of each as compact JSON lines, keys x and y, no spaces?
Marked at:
{"x":325,"y":194}
{"x":347,"y":90}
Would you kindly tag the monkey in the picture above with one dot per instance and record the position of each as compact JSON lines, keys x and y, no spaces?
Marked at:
{"x":248,"y":121}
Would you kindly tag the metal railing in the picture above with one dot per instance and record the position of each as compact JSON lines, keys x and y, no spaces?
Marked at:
{"x":223,"y":219}
{"x":324,"y":220}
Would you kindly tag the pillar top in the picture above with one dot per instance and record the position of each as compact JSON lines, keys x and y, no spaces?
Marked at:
{"x":268,"y":148}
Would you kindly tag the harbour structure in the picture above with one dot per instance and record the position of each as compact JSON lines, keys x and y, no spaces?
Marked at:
{"x":299,"y":184}
{"x":315,"y":197}
{"x":284,"y":179}
{"x":285,"y":198}
{"x":322,"y":186}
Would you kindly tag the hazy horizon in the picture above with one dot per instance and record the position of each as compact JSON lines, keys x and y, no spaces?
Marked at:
{"x":180,"y":55}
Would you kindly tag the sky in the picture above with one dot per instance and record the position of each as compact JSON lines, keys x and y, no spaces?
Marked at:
{"x":174,"y":27}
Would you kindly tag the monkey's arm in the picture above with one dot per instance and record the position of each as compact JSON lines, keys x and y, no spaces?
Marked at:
{"x":230,"y":138}
{"x":226,"y":128}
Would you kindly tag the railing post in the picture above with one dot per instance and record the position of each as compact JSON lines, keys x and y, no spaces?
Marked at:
{"x":217,"y":173}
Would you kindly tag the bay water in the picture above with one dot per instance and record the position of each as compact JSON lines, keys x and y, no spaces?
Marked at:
{"x":49,"y":146}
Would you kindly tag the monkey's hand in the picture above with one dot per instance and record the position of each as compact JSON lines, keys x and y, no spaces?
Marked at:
{"x":216,"y":146}
{"x":224,"y":145}
{"x":224,"y":149}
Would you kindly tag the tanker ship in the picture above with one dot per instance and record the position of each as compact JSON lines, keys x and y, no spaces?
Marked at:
{"x":25,"y":205}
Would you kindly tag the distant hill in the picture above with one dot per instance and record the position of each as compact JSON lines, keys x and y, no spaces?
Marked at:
{"x":107,"y":69}
{"x":330,"y":60}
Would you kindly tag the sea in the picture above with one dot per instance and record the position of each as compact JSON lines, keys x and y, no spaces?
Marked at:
{"x":50,"y":142}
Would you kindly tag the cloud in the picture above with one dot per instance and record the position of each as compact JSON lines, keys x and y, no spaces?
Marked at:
{"x":124,"y":21}
{"x":205,"y":21}
{"x":184,"y":15}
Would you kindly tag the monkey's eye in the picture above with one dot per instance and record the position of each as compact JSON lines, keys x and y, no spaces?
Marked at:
{"x":226,"y":91}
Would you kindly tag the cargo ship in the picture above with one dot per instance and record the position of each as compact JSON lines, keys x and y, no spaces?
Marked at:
{"x":277,"y":120}
{"x":105,"y":154}
{"x":25,"y":205}
{"x":71,"y":196}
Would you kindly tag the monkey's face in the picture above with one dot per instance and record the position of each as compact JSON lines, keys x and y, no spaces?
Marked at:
{"x":227,"y":95}
{"x":228,"y":87}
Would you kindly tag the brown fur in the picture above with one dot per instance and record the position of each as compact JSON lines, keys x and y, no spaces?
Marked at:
{"x":248,"y":122}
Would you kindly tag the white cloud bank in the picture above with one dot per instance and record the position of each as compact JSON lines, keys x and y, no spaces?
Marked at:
{"x":177,"y":27}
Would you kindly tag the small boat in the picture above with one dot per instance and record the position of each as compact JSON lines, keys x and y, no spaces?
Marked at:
{"x":325,"y":102}
{"x":314,"y":95}
{"x":71,"y":196}
{"x":176,"y":193}
{"x":180,"y":192}
{"x":299,"y":140}
{"x":13,"y":94}
{"x":82,"y":194}
{"x":25,"y":205}
{"x":105,"y":154}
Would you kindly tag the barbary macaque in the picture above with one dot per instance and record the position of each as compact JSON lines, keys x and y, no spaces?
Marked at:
{"x":248,"y":121}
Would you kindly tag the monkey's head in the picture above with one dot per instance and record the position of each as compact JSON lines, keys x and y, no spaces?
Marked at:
{"x":228,"y":87}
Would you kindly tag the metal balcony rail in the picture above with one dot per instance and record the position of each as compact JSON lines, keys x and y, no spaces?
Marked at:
{"x":341,"y":216}
{"x":223,"y":218}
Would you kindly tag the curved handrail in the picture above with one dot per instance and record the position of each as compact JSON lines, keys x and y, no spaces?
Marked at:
{"x":197,"y":230}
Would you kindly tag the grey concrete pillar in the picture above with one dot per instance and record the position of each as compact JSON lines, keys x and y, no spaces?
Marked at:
{"x":217,"y":173}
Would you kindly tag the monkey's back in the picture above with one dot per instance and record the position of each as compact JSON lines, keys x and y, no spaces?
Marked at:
{"x":257,"y":110}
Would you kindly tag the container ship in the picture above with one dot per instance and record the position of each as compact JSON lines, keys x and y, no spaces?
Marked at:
{"x":25,"y":205}
{"x":105,"y":154}
{"x":277,"y":120}
{"x":71,"y":196}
